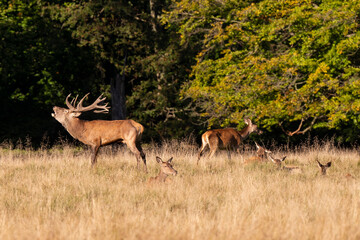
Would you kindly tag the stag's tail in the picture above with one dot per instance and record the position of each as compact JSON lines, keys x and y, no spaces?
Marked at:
{"x":139,"y":128}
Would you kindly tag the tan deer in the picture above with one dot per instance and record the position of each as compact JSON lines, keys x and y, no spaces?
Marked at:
{"x":278,"y":162}
{"x":323,"y":168}
{"x":98,"y":133}
{"x":261,"y":155}
{"x":227,"y":138}
{"x":165,"y":169}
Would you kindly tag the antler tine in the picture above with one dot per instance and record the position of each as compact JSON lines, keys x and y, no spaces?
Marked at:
{"x":79,"y":106}
{"x":103,"y":108}
{"x":69,"y":105}
{"x":73,"y":101}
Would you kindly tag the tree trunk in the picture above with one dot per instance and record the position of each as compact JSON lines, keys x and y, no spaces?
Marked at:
{"x":118,"y":97}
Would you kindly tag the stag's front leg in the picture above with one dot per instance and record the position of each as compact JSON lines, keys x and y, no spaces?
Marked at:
{"x":95,"y":150}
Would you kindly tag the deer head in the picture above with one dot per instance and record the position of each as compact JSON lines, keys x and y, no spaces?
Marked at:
{"x":250,"y":128}
{"x":277,"y":161}
{"x":261,"y":152}
{"x":63,"y":114}
{"x":323,"y":168}
{"x":166,"y":167}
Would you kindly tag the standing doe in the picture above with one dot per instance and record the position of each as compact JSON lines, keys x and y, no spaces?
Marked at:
{"x":165,"y":169}
{"x":227,"y":138}
{"x":98,"y":133}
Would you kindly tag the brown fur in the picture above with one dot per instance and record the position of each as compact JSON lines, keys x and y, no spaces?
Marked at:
{"x":323,"y":168}
{"x":98,"y":133}
{"x":291,"y":169}
{"x":228,"y":138}
{"x":165,"y":169}
{"x":261,"y":154}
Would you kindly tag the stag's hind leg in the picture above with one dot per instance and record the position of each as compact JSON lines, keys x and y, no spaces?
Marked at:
{"x":138,"y":154}
{"x":142,"y":154}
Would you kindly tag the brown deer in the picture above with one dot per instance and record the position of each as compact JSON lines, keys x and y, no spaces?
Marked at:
{"x":227,"y":138}
{"x":165,"y":169}
{"x":323,"y":168}
{"x":278,"y":162}
{"x":98,"y":133}
{"x":261,"y":155}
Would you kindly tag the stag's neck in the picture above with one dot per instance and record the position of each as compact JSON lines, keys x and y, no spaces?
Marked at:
{"x":74,"y":126}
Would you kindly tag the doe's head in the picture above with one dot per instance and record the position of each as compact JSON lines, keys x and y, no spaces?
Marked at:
{"x":166,"y":167}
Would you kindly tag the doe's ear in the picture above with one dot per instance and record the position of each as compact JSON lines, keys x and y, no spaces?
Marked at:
{"x":283,"y":159}
{"x":169,"y":161}
{"x":319,"y":164}
{"x":247,"y":121}
{"x":158,"y":159}
{"x":328,"y":164}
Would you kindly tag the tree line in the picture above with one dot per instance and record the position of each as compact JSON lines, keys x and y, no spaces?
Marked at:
{"x":182,"y":67}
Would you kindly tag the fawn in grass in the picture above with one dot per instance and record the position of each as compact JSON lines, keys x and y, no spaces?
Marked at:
{"x":323,"y":167}
{"x":261,"y":155}
{"x":165,"y":169}
{"x":278,"y":162}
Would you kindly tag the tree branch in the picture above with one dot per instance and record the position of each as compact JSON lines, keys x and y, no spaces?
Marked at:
{"x":297,"y":131}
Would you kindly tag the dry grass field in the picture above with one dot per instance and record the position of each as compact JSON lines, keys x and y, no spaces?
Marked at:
{"x":55,"y":194}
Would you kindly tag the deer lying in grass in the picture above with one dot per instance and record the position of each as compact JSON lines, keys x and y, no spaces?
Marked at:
{"x":323,"y":168}
{"x":261,"y":155}
{"x":227,"y":138}
{"x":278,"y":162}
{"x":98,"y":133}
{"x":165,"y":169}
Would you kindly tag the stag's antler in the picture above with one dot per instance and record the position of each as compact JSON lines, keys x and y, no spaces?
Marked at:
{"x":80,"y":108}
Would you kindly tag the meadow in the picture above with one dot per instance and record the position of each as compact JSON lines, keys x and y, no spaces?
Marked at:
{"x":53,"y":193}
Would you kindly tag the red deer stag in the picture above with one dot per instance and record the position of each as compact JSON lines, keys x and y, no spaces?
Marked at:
{"x":227,"y":138}
{"x":98,"y":133}
{"x":165,"y":169}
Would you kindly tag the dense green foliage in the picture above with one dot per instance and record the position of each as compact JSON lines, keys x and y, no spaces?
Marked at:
{"x":281,"y":63}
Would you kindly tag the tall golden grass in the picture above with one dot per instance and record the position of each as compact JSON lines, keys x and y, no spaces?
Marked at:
{"x":55,"y":194}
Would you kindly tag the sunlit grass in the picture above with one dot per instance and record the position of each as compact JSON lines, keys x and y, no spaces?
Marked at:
{"x":55,"y":194}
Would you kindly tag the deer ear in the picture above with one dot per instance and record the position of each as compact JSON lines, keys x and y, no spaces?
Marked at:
{"x":75,"y":114}
{"x":158,"y":159}
{"x":328,"y":164}
{"x":319,"y":164}
{"x":169,"y":161}
{"x":271,"y":158}
{"x":283,"y":159}
{"x":247,"y":121}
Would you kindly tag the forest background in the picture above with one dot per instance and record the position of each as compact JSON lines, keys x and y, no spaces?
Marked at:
{"x":182,"y":67}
